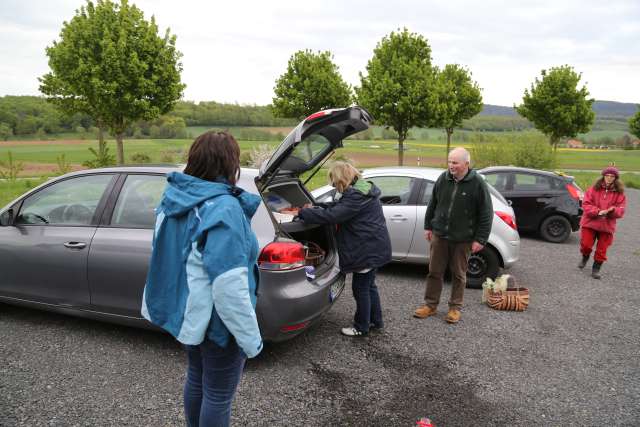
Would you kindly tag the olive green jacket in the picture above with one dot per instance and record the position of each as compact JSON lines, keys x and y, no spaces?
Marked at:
{"x":460,"y":211}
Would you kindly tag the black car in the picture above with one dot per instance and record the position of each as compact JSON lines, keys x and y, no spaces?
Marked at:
{"x":545,"y":202}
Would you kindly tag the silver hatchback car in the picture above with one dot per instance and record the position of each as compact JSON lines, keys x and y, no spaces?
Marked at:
{"x":406,"y":192}
{"x":80,"y":243}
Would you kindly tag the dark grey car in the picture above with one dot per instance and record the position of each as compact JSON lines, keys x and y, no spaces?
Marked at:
{"x":80,"y":243}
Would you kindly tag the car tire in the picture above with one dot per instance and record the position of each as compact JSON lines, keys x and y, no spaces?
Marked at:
{"x":482,"y":264}
{"x":555,"y":229}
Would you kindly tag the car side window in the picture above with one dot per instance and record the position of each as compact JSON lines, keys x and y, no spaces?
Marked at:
{"x":497,"y":180}
{"x":426,"y":194}
{"x":138,"y":200}
{"x":395,"y":190}
{"x":69,"y":202}
{"x":529,"y":182}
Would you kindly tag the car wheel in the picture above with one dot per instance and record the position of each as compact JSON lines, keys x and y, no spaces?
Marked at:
{"x":482,"y":264}
{"x":555,"y":229}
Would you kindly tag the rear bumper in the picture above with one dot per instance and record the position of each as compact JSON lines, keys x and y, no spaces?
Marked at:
{"x":288,"y":303}
{"x":575,"y":221}
{"x":511,"y":255}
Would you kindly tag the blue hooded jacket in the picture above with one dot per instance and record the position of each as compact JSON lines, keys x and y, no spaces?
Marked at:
{"x":203,"y":275}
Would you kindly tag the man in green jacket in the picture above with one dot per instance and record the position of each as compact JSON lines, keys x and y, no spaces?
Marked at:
{"x":457,"y":222}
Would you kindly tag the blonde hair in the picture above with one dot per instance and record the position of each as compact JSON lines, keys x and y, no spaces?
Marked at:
{"x":342,"y":174}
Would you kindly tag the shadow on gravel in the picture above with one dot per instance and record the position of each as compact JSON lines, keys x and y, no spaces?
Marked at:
{"x":410,"y":388}
{"x":28,"y":318}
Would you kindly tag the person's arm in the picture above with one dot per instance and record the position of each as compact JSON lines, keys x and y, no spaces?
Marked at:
{"x":588,"y":206}
{"x":226,"y":257}
{"x":431,"y":208}
{"x":617,"y":211}
{"x":341,"y":211}
{"x":485,"y":216}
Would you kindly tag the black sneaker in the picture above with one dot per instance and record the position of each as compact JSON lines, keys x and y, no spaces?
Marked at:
{"x":374,"y":327}
{"x":352,"y":332}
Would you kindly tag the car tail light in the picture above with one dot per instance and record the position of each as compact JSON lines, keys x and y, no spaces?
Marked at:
{"x":281,"y":256}
{"x":575,"y":192}
{"x":508,"y":219}
{"x":295,"y":327}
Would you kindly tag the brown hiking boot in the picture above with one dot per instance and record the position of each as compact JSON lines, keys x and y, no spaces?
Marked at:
{"x":453,"y":316}
{"x":424,"y":311}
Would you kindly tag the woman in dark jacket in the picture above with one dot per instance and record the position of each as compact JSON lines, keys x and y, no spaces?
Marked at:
{"x":363,"y":240}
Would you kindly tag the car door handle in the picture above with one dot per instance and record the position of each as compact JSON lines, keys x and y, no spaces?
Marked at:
{"x":75,"y":245}
{"x":398,"y":218}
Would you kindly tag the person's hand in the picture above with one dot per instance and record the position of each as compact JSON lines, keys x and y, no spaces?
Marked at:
{"x":307,"y":205}
{"x":611,"y":209}
{"x":290,"y":211}
{"x":476,"y":247}
{"x":428,"y":234}
{"x":603,"y":212}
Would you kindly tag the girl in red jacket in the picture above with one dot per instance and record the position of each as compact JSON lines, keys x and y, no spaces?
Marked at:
{"x":603,"y":204}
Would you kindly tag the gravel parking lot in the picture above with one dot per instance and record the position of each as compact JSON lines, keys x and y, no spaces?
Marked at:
{"x":571,"y":359}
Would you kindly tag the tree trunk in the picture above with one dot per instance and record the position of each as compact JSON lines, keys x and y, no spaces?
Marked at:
{"x":449,"y":133}
{"x":400,"y":151}
{"x":120,"y":148}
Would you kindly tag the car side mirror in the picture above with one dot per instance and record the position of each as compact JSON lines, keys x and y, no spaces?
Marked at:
{"x":6,"y":218}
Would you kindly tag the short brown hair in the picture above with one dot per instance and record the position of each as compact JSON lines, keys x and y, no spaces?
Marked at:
{"x":342,"y":174}
{"x":213,"y":155}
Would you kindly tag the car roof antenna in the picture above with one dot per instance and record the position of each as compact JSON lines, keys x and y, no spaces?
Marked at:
{"x":318,"y":168}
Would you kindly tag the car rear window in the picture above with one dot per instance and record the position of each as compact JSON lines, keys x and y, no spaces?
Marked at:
{"x":496,"y":194}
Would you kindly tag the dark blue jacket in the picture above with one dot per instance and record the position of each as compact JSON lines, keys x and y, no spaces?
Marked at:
{"x":363,"y":238}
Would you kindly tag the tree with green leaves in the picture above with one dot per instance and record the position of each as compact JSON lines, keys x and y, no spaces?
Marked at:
{"x":398,"y":89}
{"x":311,"y":83}
{"x":112,"y":64}
{"x":634,"y":123}
{"x":556,"y":106}
{"x":459,"y":98}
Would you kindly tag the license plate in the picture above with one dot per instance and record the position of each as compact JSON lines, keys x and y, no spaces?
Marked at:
{"x":336,"y":289}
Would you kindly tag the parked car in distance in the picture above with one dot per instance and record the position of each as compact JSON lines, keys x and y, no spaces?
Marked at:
{"x":548,"y":203}
{"x":80,"y":243}
{"x":406,"y":192}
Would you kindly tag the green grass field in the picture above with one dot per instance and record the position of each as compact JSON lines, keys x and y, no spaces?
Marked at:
{"x":40,"y":159}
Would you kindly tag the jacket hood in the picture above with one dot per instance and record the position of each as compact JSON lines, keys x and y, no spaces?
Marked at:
{"x":184,"y":192}
{"x":367,"y":188}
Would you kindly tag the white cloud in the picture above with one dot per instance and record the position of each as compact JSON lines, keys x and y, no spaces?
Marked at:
{"x":234,"y":51}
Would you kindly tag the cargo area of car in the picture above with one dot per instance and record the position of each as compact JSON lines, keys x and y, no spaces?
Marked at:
{"x":318,"y":240}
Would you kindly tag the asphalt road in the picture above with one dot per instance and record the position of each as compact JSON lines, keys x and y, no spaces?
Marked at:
{"x":571,"y":359}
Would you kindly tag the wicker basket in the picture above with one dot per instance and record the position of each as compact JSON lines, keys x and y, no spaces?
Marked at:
{"x":514,"y":299}
{"x":313,"y":254}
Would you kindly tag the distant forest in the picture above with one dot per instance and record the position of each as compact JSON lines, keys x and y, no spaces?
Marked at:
{"x":21,"y":116}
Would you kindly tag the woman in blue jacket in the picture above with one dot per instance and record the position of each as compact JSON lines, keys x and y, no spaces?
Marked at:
{"x":202,"y":280}
{"x":363,"y":240}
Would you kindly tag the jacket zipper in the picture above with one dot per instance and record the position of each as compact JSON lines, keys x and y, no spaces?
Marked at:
{"x":453,"y":196}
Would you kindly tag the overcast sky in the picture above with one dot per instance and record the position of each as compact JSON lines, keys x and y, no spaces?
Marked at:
{"x":235,"y":50}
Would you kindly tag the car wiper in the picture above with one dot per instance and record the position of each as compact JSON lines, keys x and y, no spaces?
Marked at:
{"x":319,"y":167}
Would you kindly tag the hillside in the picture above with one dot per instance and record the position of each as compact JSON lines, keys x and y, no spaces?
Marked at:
{"x":602,"y":109}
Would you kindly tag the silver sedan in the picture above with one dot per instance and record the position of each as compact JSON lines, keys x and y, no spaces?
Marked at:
{"x":406,"y":192}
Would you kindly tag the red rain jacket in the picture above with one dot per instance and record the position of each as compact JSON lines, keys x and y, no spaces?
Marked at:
{"x":596,"y":200}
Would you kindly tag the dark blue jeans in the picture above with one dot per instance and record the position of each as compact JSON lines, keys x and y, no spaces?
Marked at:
{"x":368,"y":309}
{"x":213,"y":375}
